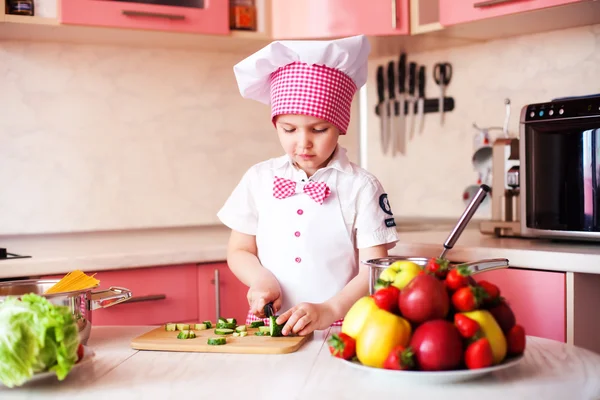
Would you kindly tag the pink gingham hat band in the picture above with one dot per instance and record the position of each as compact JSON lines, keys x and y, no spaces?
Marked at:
{"x":315,"y":90}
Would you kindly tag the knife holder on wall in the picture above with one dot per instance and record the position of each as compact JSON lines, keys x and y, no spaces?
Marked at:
{"x":430,"y":106}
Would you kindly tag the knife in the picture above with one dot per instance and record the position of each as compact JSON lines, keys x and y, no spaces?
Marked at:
{"x":421,"y":97}
{"x":391,"y":107}
{"x":402,"y":101}
{"x":269,"y":310}
{"x":412,"y":71}
{"x":380,"y":108}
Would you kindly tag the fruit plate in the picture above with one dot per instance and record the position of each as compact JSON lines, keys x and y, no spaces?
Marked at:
{"x":88,"y":356}
{"x":436,"y":377}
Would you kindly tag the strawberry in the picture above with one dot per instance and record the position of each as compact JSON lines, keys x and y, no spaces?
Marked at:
{"x":400,"y":358}
{"x":479,"y":354}
{"x":467,"y":327}
{"x":387,"y":299}
{"x":468,"y":298}
{"x":342,"y":346}
{"x":516,"y":340}
{"x":438,"y":267}
{"x":458,"y":277}
{"x":492,"y":290}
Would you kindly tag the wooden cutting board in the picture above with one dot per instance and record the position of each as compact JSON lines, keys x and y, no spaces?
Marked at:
{"x":160,"y":340}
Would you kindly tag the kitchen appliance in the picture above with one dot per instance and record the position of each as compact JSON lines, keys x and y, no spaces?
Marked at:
{"x":547,"y":183}
{"x":5,"y":255}
{"x":81,"y":302}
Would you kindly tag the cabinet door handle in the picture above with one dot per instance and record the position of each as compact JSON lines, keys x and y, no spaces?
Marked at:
{"x":150,"y":297}
{"x":217,"y":294}
{"x":132,"y":13}
{"x":489,"y":3}
{"x":394,"y":15}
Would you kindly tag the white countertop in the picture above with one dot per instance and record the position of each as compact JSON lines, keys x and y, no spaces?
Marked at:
{"x":96,"y":251}
{"x":550,"y":370}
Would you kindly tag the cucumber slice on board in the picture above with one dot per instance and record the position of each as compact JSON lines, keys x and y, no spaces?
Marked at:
{"x":223,"y":331}
{"x":217,"y":341}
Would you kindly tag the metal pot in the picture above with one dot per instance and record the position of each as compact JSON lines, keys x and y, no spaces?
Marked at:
{"x":377,"y":265}
{"x":81,"y":302}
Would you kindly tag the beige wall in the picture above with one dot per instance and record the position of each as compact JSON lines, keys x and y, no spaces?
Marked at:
{"x":98,"y":137}
{"x":429,"y":179}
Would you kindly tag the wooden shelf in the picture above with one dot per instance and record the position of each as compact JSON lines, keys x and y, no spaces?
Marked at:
{"x":25,"y":19}
{"x":249,"y":35}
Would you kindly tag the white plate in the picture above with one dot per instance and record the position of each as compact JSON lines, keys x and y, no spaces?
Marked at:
{"x":435,"y":376}
{"x":88,"y":355}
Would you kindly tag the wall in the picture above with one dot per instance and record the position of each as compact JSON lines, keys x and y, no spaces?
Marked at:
{"x":100,"y":138}
{"x":428,"y":180}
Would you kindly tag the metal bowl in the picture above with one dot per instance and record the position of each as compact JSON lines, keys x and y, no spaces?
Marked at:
{"x":80,"y":302}
{"x":378,"y":265}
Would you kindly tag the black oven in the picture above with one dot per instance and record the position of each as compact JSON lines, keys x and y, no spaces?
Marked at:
{"x":560,"y":169}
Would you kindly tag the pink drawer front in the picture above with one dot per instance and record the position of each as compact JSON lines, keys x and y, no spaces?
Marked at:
{"x":213,"y":19}
{"x":159,"y":295}
{"x":537,"y":299}
{"x":455,"y":12}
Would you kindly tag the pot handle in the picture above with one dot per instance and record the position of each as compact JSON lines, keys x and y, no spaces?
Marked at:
{"x":109,"y":297}
{"x":491,"y":264}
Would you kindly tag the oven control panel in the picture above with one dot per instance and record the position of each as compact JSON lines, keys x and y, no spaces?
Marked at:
{"x":562,"y":109}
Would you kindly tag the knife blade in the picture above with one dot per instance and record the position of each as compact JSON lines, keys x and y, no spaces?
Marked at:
{"x":421,"y":97}
{"x":401,"y":102}
{"x":412,"y":71}
{"x":381,"y":105}
{"x":391,"y":106}
{"x":269,"y":310}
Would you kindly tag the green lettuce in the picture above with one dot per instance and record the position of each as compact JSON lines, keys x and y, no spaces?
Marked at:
{"x":35,"y":336}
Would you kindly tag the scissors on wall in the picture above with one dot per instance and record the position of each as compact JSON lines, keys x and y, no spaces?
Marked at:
{"x":442,"y":74}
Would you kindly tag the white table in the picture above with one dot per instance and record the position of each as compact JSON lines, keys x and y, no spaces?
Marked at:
{"x":550,"y":370}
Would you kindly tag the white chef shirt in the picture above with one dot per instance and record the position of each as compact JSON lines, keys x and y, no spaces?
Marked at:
{"x":365,"y":207}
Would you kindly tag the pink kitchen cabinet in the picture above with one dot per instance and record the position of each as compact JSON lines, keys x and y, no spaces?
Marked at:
{"x":220,"y":294}
{"x":159,"y":295}
{"x":454,"y":12}
{"x":212,"y":18}
{"x":335,"y":18}
{"x":537,"y":298}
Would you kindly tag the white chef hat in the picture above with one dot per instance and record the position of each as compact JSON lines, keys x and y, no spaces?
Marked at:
{"x":310,"y":77}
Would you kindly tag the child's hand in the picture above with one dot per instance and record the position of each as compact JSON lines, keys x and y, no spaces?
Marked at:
{"x":305,"y":318}
{"x":263,"y":290}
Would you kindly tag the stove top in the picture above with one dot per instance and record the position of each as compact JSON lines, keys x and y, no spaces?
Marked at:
{"x":5,"y":255}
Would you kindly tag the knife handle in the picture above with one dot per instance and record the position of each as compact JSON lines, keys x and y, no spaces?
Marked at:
{"x":380,"y":84}
{"x":412,"y":71}
{"x":391,"y":80}
{"x":402,"y":73}
{"x":422,"y":81}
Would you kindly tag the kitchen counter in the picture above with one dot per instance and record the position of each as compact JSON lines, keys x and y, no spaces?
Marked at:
{"x":550,"y":370}
{"x":97,"y":251}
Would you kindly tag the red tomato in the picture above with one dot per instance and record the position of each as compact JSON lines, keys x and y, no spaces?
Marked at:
{"x":342,"y":346}
{"x":387,"y":299}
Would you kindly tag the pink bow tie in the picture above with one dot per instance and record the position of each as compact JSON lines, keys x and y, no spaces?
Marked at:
{"x":318,"y":191}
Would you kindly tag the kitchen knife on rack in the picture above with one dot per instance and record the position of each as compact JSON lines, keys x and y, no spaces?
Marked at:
{"x":421,"y":98}
{"x":401,"y":103}
{"x":391,"y":84}
{"x":412,"y":72}
{"x":381,"y":108}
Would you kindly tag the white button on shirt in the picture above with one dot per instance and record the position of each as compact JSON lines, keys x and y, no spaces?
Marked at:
{"x":364,"y":204}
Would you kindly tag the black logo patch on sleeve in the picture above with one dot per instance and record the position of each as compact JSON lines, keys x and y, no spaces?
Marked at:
{"x":390,"y":222}
{"x":385,"y":204}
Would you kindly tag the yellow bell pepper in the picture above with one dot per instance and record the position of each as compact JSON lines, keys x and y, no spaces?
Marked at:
{"x":381,"y":333}
{"x":492,"y":331}
{"x":357,"y":315}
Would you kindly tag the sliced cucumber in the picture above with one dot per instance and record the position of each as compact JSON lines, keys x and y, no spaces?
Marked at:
{"x":264,"y":329}
{"x":221,"y":321}
{"x":170,"y":327}
{"x":200,"y":327}
{"x":225,"y":325}
{"x":241,"y":328}
{"x":186,"y":335}
{"x":259,"y":333}
{"x":232,"y":320}
{"x":183,"y":327}
{"x":216,"y":341}
{"x":242,"y":334}
{"x":275,"y":327}
{"x":256,"y":324}
{"x":208,"y":324}
{"x":223,"y":331}
{"x":236,"y":334}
